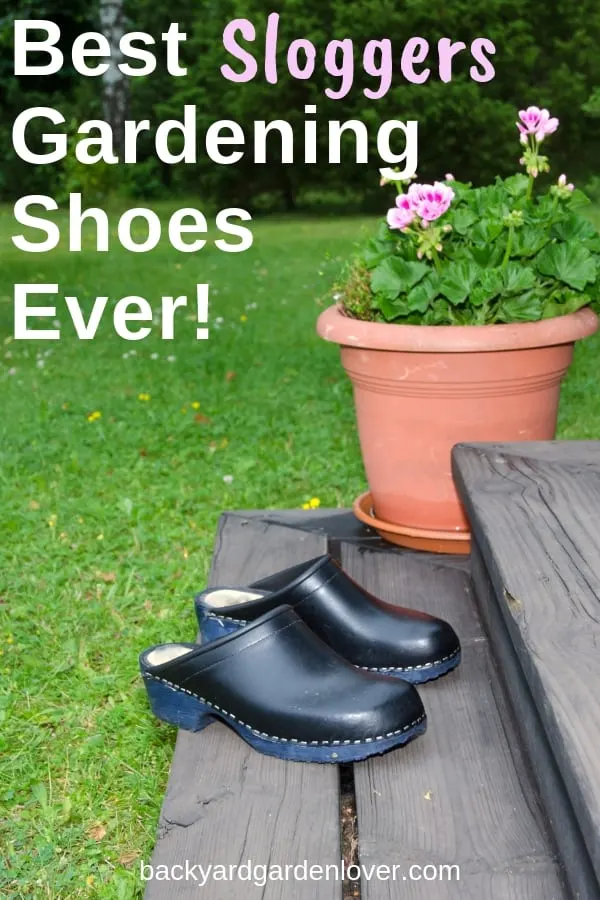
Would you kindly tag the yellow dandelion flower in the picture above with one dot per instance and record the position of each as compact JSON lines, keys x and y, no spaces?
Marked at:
{"x":243,"y":318}
{"x":195,"y":405}
{"x":145,"y":398}
{"x":94,"y":416}
{"x":314,"y":503}
{"x":306,"y":506}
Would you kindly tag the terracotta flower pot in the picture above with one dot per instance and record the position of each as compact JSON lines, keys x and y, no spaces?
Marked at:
{"x":419,"y":390}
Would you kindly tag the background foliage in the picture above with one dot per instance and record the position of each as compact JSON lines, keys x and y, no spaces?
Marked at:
{"x":547,"y":54}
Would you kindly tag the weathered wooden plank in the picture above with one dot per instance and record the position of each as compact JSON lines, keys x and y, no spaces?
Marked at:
{"x":462,"y":794}
{"x":535,"y":510}
{"x":557,"y":805}
{"x":226,"y":804}
{"x":339,"y":525}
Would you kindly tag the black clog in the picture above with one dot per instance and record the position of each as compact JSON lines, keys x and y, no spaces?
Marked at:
{"x":369,"y":633}
{"x":284,"y":691}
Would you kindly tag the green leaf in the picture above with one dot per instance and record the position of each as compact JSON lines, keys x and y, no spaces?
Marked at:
{"x":527,"y":307}
{"x":487,"y":230}
{"x":517,"y":278}
{"x":462,"y":189}
{"x":374,"y":253}
{"x":529,"y":240}
{"x":570,"y":263}
{"x":479,"y":296}
{"x":573,"y":228}
{"x":440,"y":313}
{"x":386,"y":307}
{"x":458,"y":281}
{"x":592,"y":243}
{"x":488,"y":255}
{"x":563,"y":302}
{"x":489,"y":202}
{"x":578,"y":199}
{"x":516,"y":185}
{"x":491,"y":283}
{"x":463,"y":219}
{"x":395,"y":276}
{"x":420,"y":297}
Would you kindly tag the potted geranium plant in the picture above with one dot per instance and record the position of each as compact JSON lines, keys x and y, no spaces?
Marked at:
{"x":457,"y":322}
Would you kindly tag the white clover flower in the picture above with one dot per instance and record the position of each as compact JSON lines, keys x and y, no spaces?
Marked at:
{"x":228,"y":479}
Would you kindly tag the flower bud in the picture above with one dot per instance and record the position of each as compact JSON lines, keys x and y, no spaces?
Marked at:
{"x":450,"y":177}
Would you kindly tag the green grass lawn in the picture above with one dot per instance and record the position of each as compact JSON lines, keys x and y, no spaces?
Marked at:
{"x":108,"y":520}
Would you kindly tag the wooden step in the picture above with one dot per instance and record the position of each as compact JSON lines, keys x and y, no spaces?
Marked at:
{"x":462,"y":795}
{"x":535,"y":515}
{"x":225,"y":804}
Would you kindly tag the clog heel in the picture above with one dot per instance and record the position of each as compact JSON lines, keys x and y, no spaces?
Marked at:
{"x":176,"y":707}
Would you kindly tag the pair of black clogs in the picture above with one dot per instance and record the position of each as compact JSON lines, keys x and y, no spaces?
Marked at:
{"x":304,"y":665}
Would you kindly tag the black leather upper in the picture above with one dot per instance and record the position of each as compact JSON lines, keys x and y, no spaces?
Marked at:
{"x":365,"y":630}
{"x":278,"y":677}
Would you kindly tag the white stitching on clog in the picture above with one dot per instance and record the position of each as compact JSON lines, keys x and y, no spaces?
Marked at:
{"x":272,"y":737}
{"x":209,"y":615}
{"x":428,"y":665}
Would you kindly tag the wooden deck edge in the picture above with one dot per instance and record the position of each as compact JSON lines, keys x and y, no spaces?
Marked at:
{"x":526,"y":664}
{"x":225,"y":804}
{"x":562,"y":818}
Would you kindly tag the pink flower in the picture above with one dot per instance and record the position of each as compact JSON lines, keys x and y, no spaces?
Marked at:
{"x":449,"y":176}
{"x":402,"y":215}
{"x":537,"y":122}
{"x":430,"y":201}
{"x":562,"y":182}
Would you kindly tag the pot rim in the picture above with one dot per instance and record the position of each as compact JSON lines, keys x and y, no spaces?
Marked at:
{"x":335,"y":326}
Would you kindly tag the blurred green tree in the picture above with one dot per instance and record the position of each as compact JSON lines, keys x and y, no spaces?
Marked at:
{"x":547,"y":54}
